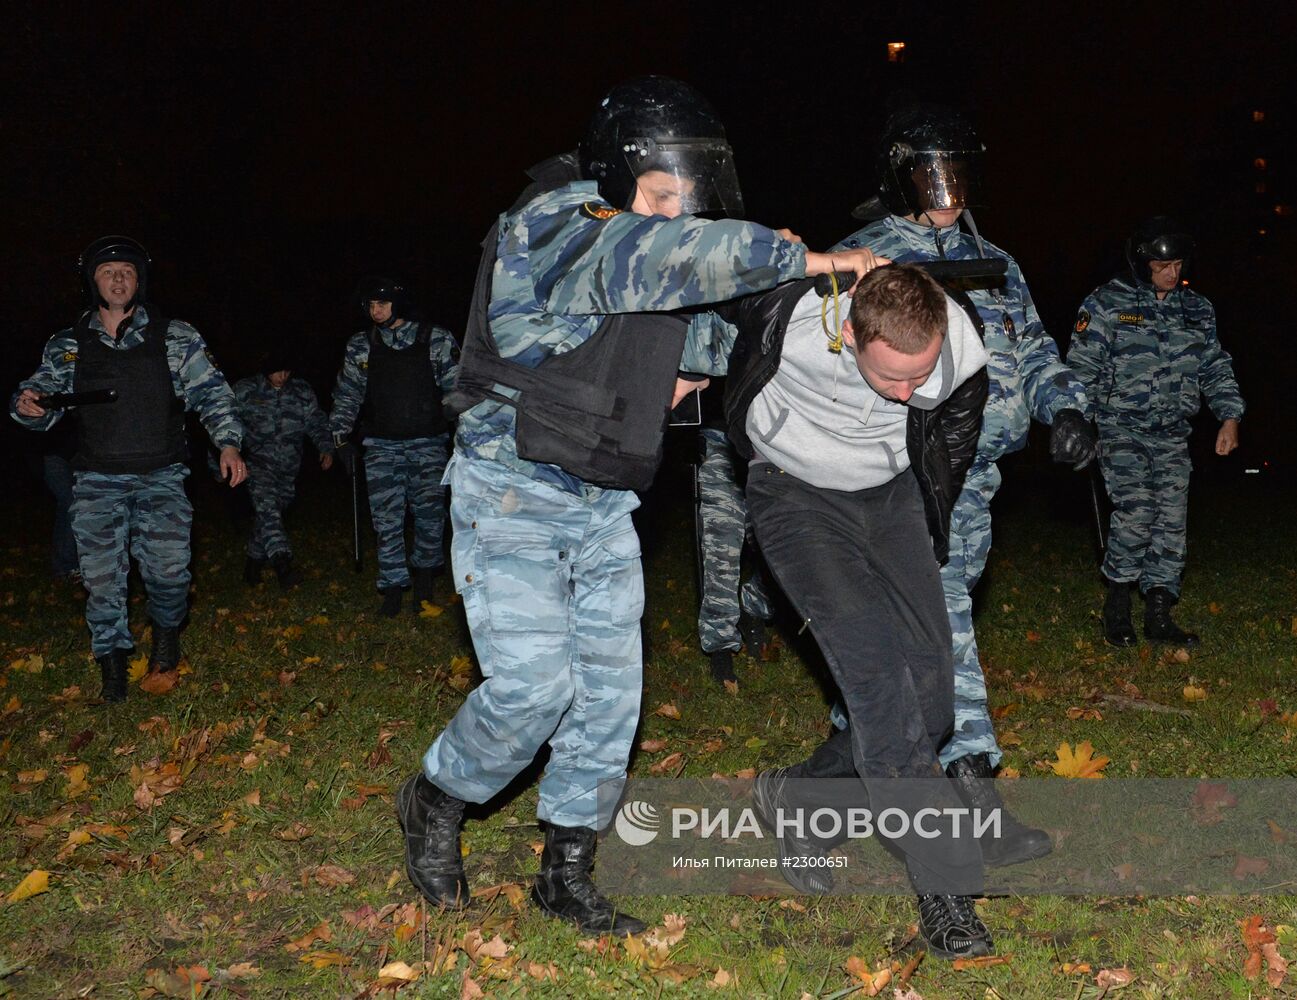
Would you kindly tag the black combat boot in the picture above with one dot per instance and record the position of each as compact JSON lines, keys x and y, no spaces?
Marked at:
{"x":1117,"y":629}
{"x":1158,"y":626}
{"x":252,"y":571}
{"x":288,"y":575}
{"x":768,"y":800}
{"x":112,"y":670}
{"x":564,"y":888}
{"x":391,"y":606}
{"x":723,"y":666}
{"x":431,"y":820}
{"x":951,"y":927}
{"x":975,"y":784}
{"x":424,"y":586}
{"x":165,"y":654}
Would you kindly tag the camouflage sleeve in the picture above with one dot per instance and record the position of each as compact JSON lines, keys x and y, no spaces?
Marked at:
{"x":349,"y":391}
{"x":1048,"y":383}
{"x":1216,"y":376}
{"x":54,"y":375}
{"x":708,"y":345}
{"x":444,"y":353}
{"x":1088,"y":356}
{"x":199,"y":382}
{"x":582,"y":265}
{"x":317,"y":424}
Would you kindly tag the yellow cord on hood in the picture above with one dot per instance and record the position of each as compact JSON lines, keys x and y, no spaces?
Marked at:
{"x":835,"y":334}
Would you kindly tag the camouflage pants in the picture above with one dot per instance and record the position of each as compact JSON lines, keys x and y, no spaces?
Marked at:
{"x":406,"y":475}
{"x":553,"y":592}
{"x":115,"y":517}
{"x":1148,"y":483}
{"x":970,"y":542}
{"x":723,"y":529}
{"x":272,"y":491}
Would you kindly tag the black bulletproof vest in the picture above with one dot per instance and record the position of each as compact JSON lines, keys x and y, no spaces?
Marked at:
{"x":402,"y":398}
{"x":597,"y":411}
{"x":144,"y":429}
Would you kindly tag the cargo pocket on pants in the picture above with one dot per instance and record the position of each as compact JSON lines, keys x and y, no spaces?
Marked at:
{"x":618,"y":598}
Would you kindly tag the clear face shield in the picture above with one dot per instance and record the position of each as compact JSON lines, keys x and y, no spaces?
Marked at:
{"x":943,"y":179}
{"x":686,"y":176}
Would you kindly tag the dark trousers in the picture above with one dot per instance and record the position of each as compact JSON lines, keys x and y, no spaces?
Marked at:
{"x":859,"y":569}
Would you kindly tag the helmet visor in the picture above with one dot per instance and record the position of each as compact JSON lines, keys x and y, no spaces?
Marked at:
{"x":1168,"y":246}
{"x":686,"y":176}
{"x":946,"y":179}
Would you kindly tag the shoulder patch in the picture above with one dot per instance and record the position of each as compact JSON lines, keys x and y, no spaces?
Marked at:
{"x":1130,"y":317}
{"x":598,"y":211}
{"x":1082,"y":320}
{"x":69,"y":355}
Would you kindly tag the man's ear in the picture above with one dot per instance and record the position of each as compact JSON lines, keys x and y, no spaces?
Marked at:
{"x":848,"y":334}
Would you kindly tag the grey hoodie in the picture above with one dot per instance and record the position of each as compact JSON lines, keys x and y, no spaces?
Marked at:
{"x":819,"y":420}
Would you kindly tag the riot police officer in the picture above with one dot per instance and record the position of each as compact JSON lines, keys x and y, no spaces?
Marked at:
{"x":1145,"y":345}
{"x":569,"y":368}
{"x":929,"y":165}
{"x":397,"y":370}
{"x":277,"y":411}
{"x":128,"y":493}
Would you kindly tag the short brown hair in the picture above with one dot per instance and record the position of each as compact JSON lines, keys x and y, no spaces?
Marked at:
{"x":899,"y":304}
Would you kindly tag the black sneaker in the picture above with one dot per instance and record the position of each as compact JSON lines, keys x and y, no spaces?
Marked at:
{"x":768,"y":800}
{"x":951,"y":927}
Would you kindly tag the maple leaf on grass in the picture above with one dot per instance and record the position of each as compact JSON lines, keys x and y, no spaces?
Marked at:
{"x":1080,"y":763}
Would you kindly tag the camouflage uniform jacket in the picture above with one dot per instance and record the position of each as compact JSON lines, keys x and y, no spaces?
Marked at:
{"x":567,"y":259}
{"x":1146,"y":362}
{"x":349,"y":392}
{"x":197,"y":382}
{"x":276,"y":420}
{"x":1027,"y":378}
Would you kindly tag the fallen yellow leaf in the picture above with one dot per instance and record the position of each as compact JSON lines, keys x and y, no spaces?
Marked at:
{"x":138,"y":668}
{"x":1192,"y":693}
{"x":34,"y":884}
{"x":667,"y":711}
{"x":33,"y":777}
{"x":1079,"y":764}
{"x":77,"y":784}
{"x":12,"y":705}
{"x":322,"y":959}
{"x":427,"y":610}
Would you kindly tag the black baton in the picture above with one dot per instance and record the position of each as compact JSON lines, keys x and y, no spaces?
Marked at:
{"x":61,"y":400}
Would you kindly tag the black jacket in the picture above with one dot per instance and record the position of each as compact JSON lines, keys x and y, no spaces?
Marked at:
{"x":940,"y":442}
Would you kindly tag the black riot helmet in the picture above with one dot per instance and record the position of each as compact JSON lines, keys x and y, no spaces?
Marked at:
{"x":379,"y":288}
{"x":656,"y":123}
{"x":930,"y":159}
{"x":110,"y":248}
{"x":1158,"y":238}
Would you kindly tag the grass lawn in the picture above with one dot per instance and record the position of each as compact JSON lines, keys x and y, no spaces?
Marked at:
{"x":235,"y":836}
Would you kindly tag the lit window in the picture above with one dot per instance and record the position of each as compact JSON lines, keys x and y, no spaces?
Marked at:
{"x":1260,"y":232}
{"x":1258,"y":116}
{"x":896,"y":52}
{"x":1259,"y":163}
{"x":1283,"y":210}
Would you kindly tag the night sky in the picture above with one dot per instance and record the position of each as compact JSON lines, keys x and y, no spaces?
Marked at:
{"x":269,"y":154}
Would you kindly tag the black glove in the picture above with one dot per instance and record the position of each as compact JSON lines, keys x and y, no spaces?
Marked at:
{"x":345,"y":454}
{"x":1072,"y":439}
